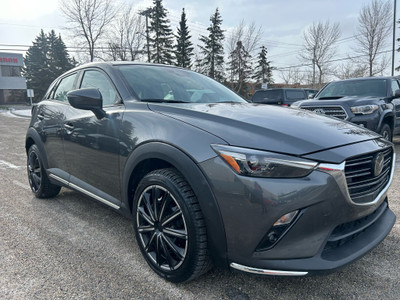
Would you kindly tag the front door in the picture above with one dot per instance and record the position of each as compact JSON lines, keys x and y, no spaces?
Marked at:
{"x":92,"y":145}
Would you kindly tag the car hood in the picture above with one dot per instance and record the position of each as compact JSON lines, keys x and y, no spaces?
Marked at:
{"x":349,"y":100}
{"x":266,"y":127}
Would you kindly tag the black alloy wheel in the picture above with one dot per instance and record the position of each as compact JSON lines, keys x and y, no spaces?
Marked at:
{"x":38,"y":180}
{"x":34,"y":171}
{"x":169,"y":226}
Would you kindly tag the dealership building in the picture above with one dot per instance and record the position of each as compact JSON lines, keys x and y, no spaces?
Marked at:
{"x":12,"y":84}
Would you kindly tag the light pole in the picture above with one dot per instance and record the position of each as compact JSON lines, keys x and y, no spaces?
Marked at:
{"x":394,"y":35}
{"x":147,"y":13}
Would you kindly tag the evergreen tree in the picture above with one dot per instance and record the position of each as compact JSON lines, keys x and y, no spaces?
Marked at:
{"x":184,"y":47}
{"x":264,"y":69}
{"x":213,"y":49}
{"x":240,"y":68}
{"x":162,"y":35}
{"x":44,"y":61}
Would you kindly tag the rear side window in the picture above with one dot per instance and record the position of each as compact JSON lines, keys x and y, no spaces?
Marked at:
{"x":268,"y":96}
{"x":66,"y":84}
{"x":295,"y":95}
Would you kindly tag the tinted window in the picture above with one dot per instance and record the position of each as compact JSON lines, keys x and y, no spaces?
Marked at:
{"x":395,"y":86}
{"x":267,"y":96}
{"x":373,"y":87}
{"x":66,"y":84}
{"x":295,"y":95}
{"x":97,"y":80}
{"x":171,"y":84}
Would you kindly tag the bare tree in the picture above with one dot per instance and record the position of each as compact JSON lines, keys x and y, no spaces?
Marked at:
{"x":293,"y":76}
{"x":88,"y":19}
{"x":374,"y":28}
{"x":351,"y":69}
{"x":126,"y":38}
{"x":319,"y":46}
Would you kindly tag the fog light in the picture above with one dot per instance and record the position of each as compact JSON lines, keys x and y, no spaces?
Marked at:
{"x":286,"y":219}
{"x":277,"y":231}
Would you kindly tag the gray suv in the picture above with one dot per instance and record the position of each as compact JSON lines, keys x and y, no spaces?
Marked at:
{"x":371,"y":102}
{"x":206,"y":177}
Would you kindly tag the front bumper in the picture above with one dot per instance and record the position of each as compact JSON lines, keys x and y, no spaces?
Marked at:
{"x":330,"y":232}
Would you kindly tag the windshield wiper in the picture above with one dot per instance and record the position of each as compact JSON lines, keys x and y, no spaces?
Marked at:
{"x":164,"y":101}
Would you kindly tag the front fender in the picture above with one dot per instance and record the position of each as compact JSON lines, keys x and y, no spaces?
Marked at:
{"x":386,"y":114}
{"x":197,"y":180}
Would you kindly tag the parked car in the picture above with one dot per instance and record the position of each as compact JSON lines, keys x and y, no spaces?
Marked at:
{"x":279,"y":96}
{"x":207,"y":177}
{"x":371,"y":102}
{"x":311,"y":93}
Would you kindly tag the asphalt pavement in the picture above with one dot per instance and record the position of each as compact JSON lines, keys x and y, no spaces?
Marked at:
{"x":72,"y":247}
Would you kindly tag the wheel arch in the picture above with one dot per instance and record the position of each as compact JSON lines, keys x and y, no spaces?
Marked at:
{"x":386,"y":118}
{"x":158,"y":155}
{"x":32,"y":137}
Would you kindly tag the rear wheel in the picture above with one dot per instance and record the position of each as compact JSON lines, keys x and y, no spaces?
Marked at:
{"x":386,"y":132}
{"x":170,"y":227}
{"x":38,"y":180}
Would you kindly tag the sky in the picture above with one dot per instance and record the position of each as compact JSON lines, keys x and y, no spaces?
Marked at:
{"x":282,"y":21}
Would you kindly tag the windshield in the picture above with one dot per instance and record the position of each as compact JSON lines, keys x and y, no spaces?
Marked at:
{"x":373,"y":87}
{"x":166,"y":84}
{"x":267,"y":96}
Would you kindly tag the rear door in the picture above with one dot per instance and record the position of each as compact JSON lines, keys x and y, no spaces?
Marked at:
{"x":92,"y":144}
{"x":51,"y":116}
{"x":396,"y":103}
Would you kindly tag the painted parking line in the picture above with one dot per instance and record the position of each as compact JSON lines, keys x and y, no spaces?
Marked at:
{"x":22,"y":185}
{"x":9,"y":165}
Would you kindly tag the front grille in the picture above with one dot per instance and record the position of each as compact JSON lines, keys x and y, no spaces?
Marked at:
{"x":332,"y":111}
{"x":363,"y":183}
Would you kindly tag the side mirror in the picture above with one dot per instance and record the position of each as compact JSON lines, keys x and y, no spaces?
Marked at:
{"x":311,"y":96}
{"x":396,"y":94}
{"x":87,"y":99}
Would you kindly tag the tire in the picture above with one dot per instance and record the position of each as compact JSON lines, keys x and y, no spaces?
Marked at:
{"x":38,"y":180}
{"x":170,"y":227}
{"x":386,"y":132}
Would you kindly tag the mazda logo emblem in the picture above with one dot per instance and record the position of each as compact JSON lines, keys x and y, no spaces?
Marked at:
{"x":378,"y":164}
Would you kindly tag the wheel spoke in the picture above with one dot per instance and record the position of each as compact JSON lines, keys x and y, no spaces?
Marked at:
{"x":158,"y":251}
{"x":178,"y":233}
{"x":179,"y":252}
{"x":36,"y":179}
{"x":145,"y":229}
{"x":151,"y":240}
{"x":172,"y":217}
{"x":167,"y":254}
{"x":145,"y":216}
{"x":155,"y":194}
{"x":164,"y":202}
{"x":148,"y":206}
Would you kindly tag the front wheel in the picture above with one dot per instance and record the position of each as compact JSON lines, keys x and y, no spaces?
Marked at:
{"x":170,"y":227}
{"x":386,"y":132}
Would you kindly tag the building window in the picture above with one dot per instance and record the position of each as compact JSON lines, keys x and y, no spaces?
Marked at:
{"x":10,"y":71}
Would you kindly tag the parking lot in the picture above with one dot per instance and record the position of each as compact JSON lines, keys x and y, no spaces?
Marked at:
{"x":72,"y":247}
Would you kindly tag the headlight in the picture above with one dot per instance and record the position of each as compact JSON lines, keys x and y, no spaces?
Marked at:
{"x":264,"y":164}
{"x":364,"y":109}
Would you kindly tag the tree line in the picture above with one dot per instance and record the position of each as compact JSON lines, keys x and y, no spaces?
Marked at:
{"x":235,"y":60}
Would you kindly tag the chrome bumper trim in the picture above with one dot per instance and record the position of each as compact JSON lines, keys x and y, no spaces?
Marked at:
{"x":267,"y":272}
